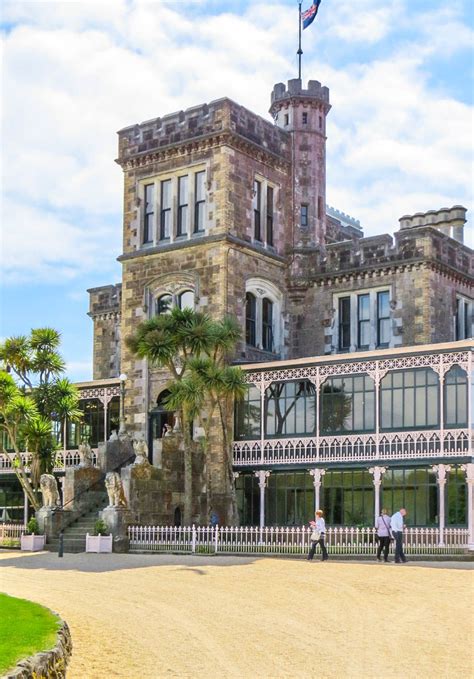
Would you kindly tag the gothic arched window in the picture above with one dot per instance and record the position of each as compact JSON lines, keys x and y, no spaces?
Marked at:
{"x":164,"y":304}
{"x":186,"y":299}
{"x":250,"y":319}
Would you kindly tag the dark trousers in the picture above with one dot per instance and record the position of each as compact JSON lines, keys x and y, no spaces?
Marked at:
{"x":399,"y":553}
{"x":384,"y":544}
{"x":324,"y":551}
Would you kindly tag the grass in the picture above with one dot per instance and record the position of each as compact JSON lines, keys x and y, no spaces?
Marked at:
{"x":25,"y":629}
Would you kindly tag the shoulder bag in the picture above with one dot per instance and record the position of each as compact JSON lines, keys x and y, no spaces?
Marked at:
{"x":388,"y":529}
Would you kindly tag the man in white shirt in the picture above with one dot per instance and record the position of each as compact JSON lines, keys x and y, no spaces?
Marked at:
{"x":396,"y":525}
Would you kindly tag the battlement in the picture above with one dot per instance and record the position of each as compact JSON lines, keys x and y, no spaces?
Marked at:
{"x":283,"y":94}
{"x":219,"y":116}
{"x":449,"y":221}
{"x":105,"y":300}
{"x":410,"y":244}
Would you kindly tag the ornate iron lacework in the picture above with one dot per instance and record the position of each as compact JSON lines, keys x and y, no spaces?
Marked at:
{"x":440,"y":363}
{"x":104,"y":394}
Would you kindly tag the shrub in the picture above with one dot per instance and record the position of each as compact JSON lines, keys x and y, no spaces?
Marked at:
{"x":100,"y":527}
{"x":32,"y":527}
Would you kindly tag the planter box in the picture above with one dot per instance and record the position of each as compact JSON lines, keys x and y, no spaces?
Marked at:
{"x":32,"y":543}
{"x":98,"y":543}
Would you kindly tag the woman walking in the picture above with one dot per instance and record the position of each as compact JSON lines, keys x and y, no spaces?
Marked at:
{"x":384,"y":535}
{"x":318,"y":527}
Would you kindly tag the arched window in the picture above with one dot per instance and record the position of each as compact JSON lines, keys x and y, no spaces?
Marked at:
{"x":455,"y":398}
{"x":161,"y":419}
{"x":250,"y":319}
{"x":263,"y":317}
{"x":409,"y":399}
{"x":164,"y":304}
{"x":186,"y":300}
{"x":267,"y":324}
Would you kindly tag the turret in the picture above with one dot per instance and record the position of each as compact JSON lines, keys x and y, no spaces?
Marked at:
{"x":302,"y":113}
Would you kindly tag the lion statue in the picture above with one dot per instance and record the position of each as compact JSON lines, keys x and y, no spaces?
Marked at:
{"x":49,"y":490}
{"x":141,"y":451}
{"x":85,"y":452}
{"x":114,"y":487}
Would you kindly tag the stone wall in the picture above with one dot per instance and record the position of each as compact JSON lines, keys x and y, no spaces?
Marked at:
{"x":47,"y":664}
{"x":104,"y":309}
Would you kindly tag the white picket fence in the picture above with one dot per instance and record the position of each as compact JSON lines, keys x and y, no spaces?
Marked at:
{"x":285,"y":540}
{"x":10,"y":534}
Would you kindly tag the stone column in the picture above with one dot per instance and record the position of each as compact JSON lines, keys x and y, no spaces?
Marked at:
{"x":441,"y":471}
{"x":317,"y":475}
{"x":262,"y":477}
{"x":469,"y":469}
{"x":377,"y":473}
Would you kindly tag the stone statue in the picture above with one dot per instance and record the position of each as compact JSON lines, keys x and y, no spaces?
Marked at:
{"x":177,"y":424}
{"x":141,"y":451}
{"x":86,"y":455}
{"x":49,"y":490}
{"x":113,"y":436}
{"x":167,"y":431}
{"x":114,"y":487}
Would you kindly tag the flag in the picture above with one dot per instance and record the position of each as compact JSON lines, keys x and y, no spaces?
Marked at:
{"x":308,"y":17}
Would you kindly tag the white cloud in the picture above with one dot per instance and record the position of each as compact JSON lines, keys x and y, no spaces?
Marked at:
{"x":75,"y":72}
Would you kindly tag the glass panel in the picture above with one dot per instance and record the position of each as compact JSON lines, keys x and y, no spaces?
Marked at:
{"x":182,"y":205}
{"x":269,"y":215}
{"x":200,"y":201}
{"x":164,"y":304}
{"x":304,"y":215}
{"x":166,"y":194}
{"x":257,"y":206}
{"x":290,"y":409}
{"x":267,"y":324}
{"x":186,"y":300}
{"x":344,"y":322}
{"x":247,"y":415}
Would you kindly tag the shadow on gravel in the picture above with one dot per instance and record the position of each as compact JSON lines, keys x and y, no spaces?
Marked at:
{"x":103,"y":563}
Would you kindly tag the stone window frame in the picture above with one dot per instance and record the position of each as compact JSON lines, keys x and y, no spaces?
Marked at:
{"x":170,"y":284}
{"x":461,"y":322}
{"x":190,"y":171}
{"x":354,"y":300}
{"x":260,"y":289}
{"x":265,"y":184}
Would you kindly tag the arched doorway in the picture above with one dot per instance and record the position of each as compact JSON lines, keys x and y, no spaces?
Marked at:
{"x":160,"y":419}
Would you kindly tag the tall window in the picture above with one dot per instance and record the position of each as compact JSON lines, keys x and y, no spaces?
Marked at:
{"x":267,"y":324}
{"x":416,"y":489}
{"x":186,"y":300}
{"x":383,"y":318}
{"x":248,"y":499}
{"x":347,"y":405}
{"x":456,"y":500}
{"x":163,"y":304}
{"x":304,"y":118}
{"x":464,"y":313}
{"x":348,"y":498}
{"x":247,"y":415}
{"x":165,"y":214}
{"x":250,"y":319}
{"x":149,"y":213}
{"x":182,"y":227}
{"x":199,"y":202}
{"x":290,"y":409}
{"x":257,"y":210}
{"x":363,"y":321}
{"x":344,"y":323}
{"x":269,"y":215}
{"x":455,"y":398}
{"x":410,"y":399}
{"x":304,"y":216}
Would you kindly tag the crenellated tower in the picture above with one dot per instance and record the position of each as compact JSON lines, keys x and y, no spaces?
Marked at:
{"x":302,"y":113}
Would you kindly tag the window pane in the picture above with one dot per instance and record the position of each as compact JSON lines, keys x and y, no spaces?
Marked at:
{"x":200,"y":188}
{"x":186,"y":300}
{"x":364,"y":307}
{"x":257,"y":206}
{"x":304,"y":215}
{"x":183,"y":190}
{"x":250,"y":319}
{"x":267,"y":324}
{"x":163,"y":304}
{"x":344,"y":322}
{"x":166,"y":194}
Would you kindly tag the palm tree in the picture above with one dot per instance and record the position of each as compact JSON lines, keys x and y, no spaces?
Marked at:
{"x":194,"y":349}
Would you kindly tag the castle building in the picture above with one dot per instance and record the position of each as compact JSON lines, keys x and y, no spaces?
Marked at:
{"x":358,"y":351}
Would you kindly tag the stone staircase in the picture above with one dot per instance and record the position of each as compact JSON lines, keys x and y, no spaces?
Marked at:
{"x":75,"y":533}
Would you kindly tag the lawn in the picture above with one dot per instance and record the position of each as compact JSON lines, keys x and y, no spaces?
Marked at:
{"x":25,"y":629}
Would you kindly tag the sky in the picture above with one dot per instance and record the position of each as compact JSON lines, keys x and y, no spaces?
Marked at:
{"x":400,"y":74}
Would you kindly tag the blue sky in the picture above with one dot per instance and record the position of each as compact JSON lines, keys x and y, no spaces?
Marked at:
{"x":399,"y":133}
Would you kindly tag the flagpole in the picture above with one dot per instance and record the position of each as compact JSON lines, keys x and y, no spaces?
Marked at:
{"x":300,"y":51}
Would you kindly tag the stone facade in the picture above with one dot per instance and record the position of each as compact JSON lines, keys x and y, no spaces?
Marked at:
{"x":302,"y":256}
